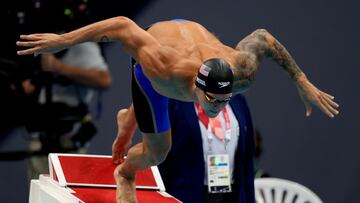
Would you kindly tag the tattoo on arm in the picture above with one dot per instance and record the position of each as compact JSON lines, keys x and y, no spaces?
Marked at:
{"x":262,"y":43}
{"x":279,"y":53}
{"x":104,"y":38}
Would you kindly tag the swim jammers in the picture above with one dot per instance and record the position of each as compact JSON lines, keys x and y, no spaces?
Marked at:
{"x":151,"y":108}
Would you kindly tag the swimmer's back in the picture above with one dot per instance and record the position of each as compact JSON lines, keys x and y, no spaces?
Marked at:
{"x":179,"y":33}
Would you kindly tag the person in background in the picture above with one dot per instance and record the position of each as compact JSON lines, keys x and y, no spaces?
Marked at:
{"x":199,"y":143}
{"x":75,"y":75}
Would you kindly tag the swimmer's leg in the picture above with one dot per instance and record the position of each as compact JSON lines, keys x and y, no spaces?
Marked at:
{"x":151,"y":111}
{"x":152,"y":151}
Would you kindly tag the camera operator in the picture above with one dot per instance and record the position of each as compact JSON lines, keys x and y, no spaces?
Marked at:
{"x":49,"y":95}
{"x":18,"y":94}
{"x":65,"y":122}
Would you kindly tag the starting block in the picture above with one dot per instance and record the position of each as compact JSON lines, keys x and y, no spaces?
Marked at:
{"x":78,"y":178}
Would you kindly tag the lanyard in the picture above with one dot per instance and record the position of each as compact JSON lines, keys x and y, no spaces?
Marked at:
{"x":205,"y":120}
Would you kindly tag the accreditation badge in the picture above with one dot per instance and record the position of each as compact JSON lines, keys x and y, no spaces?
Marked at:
{"x":218,"y":173}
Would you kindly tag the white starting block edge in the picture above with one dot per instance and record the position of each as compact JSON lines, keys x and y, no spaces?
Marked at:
{"x":55,"y":169}
{"x":45,"y":189}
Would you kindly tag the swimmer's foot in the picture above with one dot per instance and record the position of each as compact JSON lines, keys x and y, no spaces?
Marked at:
{"x":125,"y":187}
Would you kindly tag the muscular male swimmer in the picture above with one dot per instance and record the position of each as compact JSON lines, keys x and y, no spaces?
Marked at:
{"x":182,"y":60}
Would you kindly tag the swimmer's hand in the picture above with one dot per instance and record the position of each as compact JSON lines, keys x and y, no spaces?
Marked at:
{"x":312,"y":95}
{"x":123,"y":139}
{"x":41,"y":44}
{"x":119,"y":149}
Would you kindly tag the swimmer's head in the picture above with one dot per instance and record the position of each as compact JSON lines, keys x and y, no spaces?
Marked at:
{"x":215,"y":80}
{"x":216,"y":76}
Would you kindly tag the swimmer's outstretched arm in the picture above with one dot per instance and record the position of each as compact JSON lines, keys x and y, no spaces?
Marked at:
{"x":122,"y":29}
{"x":261,"y":43}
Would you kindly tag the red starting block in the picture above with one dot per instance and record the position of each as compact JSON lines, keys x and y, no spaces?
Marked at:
{"x":76,"y":178}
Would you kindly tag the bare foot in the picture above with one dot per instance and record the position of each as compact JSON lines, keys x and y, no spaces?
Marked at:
{"x":125,"y":187}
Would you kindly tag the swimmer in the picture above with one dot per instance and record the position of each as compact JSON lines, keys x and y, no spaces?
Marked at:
{"x":182,"y":60}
